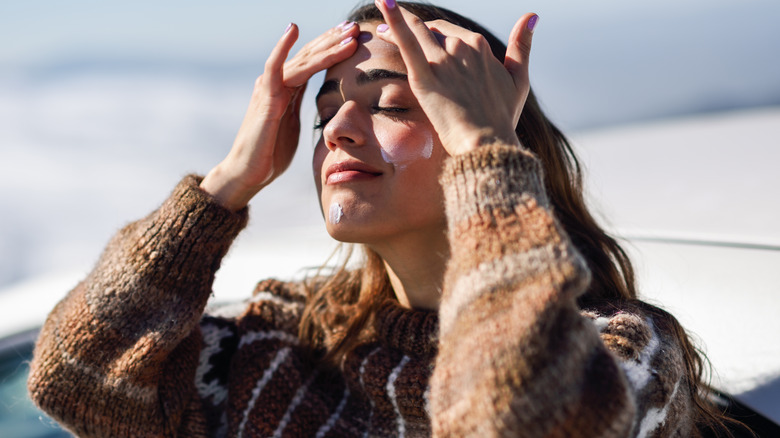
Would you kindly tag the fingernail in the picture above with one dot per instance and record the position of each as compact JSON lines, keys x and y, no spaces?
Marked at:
{"x":341,"y":25}
{"x":532,"y":22}
{"x":382,"y":28}
{"x":287,"y":29}
{"x":348,"y":26}
{"x":390,"y":4}
{"x":346,"y":41}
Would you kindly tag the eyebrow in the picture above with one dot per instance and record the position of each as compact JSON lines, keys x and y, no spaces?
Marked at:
{"x":363,"y":77}
{"x":379,"y":74}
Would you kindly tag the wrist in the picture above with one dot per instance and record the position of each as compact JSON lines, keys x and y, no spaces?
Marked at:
{"x":226,"y":189}
{"x":474,"y":139}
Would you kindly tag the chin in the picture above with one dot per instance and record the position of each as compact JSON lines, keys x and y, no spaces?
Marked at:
{"x":345,"y":234}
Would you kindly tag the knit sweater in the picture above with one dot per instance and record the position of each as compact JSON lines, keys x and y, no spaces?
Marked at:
{"x":130,"y":353}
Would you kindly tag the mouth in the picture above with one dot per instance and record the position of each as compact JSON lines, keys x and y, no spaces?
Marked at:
{"x":348,"y":171}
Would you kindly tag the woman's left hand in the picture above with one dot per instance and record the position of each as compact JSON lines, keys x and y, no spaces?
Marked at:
{"x":469,"y":96}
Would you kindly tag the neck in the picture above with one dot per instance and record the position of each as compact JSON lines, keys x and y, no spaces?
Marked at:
{"x":416,"y":270}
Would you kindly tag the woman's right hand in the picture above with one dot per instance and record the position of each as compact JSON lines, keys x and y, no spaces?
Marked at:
{"x":470,"y":97}
{"x":268,"y":136}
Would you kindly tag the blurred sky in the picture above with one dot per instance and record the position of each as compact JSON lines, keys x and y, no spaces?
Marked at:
{"x":597,"y":62}
{"x":105,"y":105}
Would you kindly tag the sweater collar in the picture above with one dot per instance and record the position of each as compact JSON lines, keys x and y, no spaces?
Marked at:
{"x":413,"y":331}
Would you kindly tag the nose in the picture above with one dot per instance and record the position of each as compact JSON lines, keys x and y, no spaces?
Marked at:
{"x":347,"y":127}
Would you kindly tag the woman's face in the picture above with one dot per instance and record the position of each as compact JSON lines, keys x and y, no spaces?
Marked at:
{"x":378,"y":159}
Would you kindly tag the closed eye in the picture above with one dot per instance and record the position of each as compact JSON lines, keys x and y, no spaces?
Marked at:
{"x":390,"y":111}
{"x":321,"y":122}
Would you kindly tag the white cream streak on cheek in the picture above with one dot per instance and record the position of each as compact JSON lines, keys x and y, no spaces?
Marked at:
{"x":401,"y":156}
{"x":335,"y":213}
{"x":427,"y":150}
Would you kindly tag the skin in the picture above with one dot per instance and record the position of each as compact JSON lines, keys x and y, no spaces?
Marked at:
{"x":374,"y":116}
{"x":268,"y":136}
{"x":393,"y":206}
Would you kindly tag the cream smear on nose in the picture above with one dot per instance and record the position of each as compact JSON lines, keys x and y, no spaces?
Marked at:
{"x":401,"y":156}
{"x":335,"y":213}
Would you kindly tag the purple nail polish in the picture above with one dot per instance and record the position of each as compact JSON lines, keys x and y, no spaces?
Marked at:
{"x":346,"y":41}
{"x":287,"y":29}
{"x":532,"y":22}
{"x":341,"y":25}
{"x":382,"y":28}
{"x":348,"y":26}
{"x":390,"y":4}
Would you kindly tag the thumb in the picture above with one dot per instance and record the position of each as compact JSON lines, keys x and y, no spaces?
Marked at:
{"x":519,"y":49}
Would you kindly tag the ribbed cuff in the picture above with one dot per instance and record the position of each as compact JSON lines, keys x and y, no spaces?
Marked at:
{"x":189,"y":196}
{"x":192,"y":227}
{"x":496,"y":176}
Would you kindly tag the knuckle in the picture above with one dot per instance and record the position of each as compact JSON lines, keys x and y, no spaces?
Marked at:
{"x":525,"y":46}
{"x":472,"y":38}
{"x":416,"y":20}
{"x":269,"y":64}
{"x":458,"y":44}
{"x":461,"y":49}
{"x":482,"y":43}
{"x":477,"y":40}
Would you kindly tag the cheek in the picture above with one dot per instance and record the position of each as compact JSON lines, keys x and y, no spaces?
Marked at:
{"x":405,"y":147}
{"x":320,"y":152}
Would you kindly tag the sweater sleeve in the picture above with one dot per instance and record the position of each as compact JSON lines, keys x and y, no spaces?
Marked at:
{"x":516,"y":356}
{"x":117,"y":356}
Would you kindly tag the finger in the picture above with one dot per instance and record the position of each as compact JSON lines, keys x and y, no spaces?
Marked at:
{"x":275,"y":61}
{"x":411,"y":35}
{"x":450,"y":35}
{"x":519,"y":48}
{"x":327,"y":50}
{"x":329,"y":38}
{"x":449,"y":29}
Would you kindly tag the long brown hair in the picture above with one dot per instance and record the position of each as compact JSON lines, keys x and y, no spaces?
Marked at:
{"x":342,"y":305}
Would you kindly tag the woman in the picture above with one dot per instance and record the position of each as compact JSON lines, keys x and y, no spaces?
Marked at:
{"x":490,"y":303}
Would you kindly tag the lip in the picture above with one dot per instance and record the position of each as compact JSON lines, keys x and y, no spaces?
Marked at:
{"x":350,"y":170}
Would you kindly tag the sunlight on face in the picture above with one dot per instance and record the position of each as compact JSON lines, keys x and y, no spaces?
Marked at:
{"x":377,"y":162}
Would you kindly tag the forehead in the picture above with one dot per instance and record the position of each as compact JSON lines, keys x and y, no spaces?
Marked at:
{"x":372,"y":53}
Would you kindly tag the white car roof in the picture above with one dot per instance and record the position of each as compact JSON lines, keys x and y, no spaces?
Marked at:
{"x":699,"y":201}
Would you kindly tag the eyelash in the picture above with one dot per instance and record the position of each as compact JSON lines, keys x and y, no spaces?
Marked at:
{"x":321,"y":123}
{"x":391,"y":112}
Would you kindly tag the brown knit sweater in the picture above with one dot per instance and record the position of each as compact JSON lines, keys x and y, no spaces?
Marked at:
{"x":130,"y":353}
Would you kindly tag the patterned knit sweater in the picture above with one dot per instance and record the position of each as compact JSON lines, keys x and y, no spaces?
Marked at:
{"x":130,"y":353}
